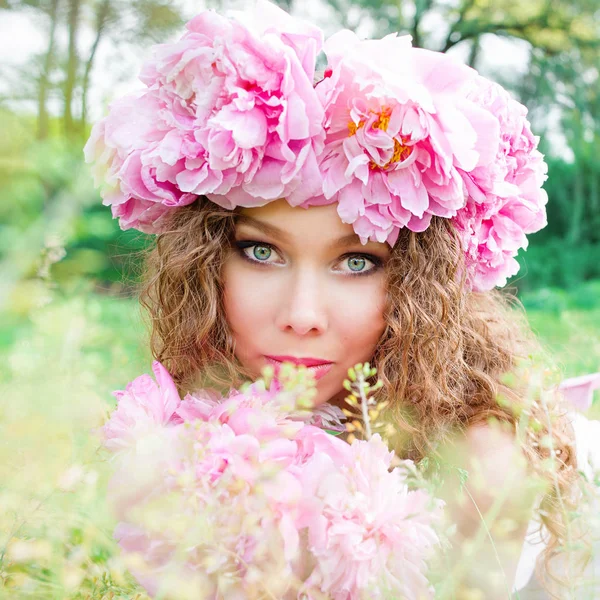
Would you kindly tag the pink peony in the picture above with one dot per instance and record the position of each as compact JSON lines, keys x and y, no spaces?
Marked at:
{"x":397,"y":134}
{"x":153,"y":555}
{"x":223,"y":467}
{"x":229,"y":112}
{"x":506,"y":200}
{"x":369,"y":534}
{"x":240,"y":498}
{"x":142,"y":408}
{"x":232,"y":507}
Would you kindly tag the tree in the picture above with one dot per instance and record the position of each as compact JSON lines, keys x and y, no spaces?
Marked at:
{"x":68,"y":68}
{"x":552,"y":25}
{"x":569,"y":81}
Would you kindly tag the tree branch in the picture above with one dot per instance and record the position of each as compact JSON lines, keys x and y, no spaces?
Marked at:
{"x":42,"y":120}
{"x":102,"y":13}
{"x":421,"y":7}
{"x":474,"y":53}
{"x":466,"y":5}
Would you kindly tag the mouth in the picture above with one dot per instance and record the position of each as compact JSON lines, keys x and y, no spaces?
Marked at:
{"x":318,"y":367}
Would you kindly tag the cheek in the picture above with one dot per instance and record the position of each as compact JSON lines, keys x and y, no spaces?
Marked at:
{"x":358,"y":324}
{"x":360,"y":318}
{"x":246,"y":303}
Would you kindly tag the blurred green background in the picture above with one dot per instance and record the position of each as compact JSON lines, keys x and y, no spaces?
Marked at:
{"x":70,"y":326}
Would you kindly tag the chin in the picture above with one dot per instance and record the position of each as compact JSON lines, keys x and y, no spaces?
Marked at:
{"x":333,"y":396}
{"x":320,"y":398}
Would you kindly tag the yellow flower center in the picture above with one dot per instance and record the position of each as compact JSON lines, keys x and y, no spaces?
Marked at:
{"x":353,"y":127}
{"x":401,"y":153}
{"x":401,"y":150}
{"x":384,"y":120}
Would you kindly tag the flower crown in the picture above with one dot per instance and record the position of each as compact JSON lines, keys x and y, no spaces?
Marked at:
{"x":393,"y":134}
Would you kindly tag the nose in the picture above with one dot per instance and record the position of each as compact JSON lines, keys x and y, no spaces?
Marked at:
{"x":303,"y":308}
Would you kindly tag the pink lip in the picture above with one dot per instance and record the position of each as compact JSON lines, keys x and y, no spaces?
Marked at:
{"x":307,"y":362}
{"x":318,"y":369}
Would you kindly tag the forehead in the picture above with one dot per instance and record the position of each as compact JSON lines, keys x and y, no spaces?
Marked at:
{"x":319,"y":226}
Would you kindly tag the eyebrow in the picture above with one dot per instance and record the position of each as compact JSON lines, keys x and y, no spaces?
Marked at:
{"x":347,"y":240}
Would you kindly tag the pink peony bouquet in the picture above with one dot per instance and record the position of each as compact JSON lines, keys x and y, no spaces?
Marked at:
{"x":245,"y":497}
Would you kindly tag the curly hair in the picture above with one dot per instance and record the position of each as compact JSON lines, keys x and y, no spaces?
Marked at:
{"x":443,"y":358}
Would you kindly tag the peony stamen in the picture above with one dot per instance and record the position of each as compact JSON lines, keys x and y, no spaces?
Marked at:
{"x":353,"y":127}
{"x":384,"y":120}
{"x":401,"y":153}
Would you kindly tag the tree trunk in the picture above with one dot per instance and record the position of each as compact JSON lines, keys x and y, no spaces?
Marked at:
{"x":474,"y":52}
{"x":595,"y":189}
{"x":101,"y":20}
{"x":578,"y":198}
{"x":44,"y":84}
{"x":422,"y":7}
{"x":73,"y":25}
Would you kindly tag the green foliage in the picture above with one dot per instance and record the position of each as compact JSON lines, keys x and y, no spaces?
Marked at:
{"x":553,"y":27}
{"x":567,"y":251}
{"x":568,"y":184}
{"x":48,"y":197}
{"x":569,"y":325}
{"x":557,"y":264}
{"x":56,"y":376}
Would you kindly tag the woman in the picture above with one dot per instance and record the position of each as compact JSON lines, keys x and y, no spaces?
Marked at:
{"x":274,"y":283}
{"x":364,"y":218}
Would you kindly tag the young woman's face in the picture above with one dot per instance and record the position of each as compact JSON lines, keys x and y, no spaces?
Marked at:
{"x":299,"y":284}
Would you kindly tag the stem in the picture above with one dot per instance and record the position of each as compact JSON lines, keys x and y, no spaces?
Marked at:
{"x":558,"y":492}
{"x":364,"y":401}
{"x":489,"y":535}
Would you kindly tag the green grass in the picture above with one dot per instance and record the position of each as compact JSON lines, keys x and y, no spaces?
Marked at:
{"x":58,"y":365}
{"x":568,"y":324}
{"x":573,"y":336}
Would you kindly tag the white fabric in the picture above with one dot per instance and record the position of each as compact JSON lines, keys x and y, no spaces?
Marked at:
{"x":587,"y":445}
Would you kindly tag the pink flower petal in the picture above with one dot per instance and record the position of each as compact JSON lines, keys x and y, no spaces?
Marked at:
{"x":579,"y":391}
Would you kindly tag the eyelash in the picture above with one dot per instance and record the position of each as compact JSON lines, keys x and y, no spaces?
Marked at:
{"x":241,"y":245}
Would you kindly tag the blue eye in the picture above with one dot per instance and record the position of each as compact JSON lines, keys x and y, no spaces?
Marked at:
{"x":261,"y":252}
{"x":356,"y":263}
